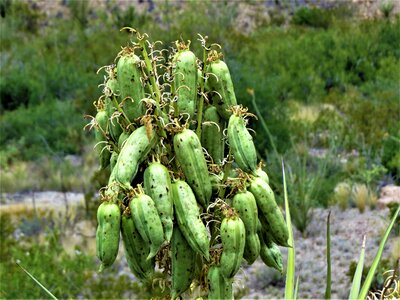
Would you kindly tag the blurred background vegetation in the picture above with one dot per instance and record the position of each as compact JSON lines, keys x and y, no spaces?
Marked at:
{"x":324,"y":76}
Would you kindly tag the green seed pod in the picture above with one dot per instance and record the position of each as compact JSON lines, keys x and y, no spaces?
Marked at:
{"x":241,"y":144}
{"x":148,"y":223}
{"x":233,"y":238}
{"x":111,"y":92}
{"x":185,"y":80}
{"x":101,"y":140}
{"x":107,"y":233}
{"x":264,"y":230}
{"x":246,"y":206}
{"x":189,"y":155}
{"x":113,"y":160}
{"x":271,"y":256}
{"x":262,"y":174}
{"x":114,"y":126}
{"x":212,"y":134}
{"x":157,"y":184}
{"x":122,"y":138}
{"x":188,"y":218}
{"x":134,"y":152}
{"x":220,"y":82}
{"x":219,"y":287}
{"x":183,"y":263}
{"x":199,"y":79}
{"x":252,"y":248}
{"x":269,"y":209}
{"x":136,"y":250}
{"x":130,"y":86}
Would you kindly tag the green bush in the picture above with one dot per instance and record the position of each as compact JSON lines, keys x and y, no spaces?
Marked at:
{"x":52,"y":127}
{"x":65,"y":275}
{"x":312,"y":16}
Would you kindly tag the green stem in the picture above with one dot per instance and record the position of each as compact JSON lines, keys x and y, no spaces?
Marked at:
{"x":328,"y":258}
{"x":151,"y":71}
{"x":154,"y":89}
{"x":227,"y":169}
{"x":121,"y":110}
{"x":201,"y":102}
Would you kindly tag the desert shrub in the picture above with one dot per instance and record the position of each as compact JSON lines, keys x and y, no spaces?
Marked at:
{"x":65,"y":275}
{"x":311,"y":16}
{"x":391,"y":153}
{"x":129,"y":18}
{"x":48,"y":128}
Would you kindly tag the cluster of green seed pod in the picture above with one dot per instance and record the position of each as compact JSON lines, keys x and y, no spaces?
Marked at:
{"x":185,"y":189}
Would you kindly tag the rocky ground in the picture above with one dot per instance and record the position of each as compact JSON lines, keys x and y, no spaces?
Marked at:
{"x":347,"y":230}
{"x":257,"y":281}
{"x":250,"y":14}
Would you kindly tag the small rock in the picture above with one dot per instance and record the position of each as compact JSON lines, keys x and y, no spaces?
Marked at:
{"x":389,"y":194}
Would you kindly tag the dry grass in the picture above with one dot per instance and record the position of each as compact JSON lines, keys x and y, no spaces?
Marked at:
{"x":360,"y":196}
{"x":49,"y":174}
{"x":342,"y":195}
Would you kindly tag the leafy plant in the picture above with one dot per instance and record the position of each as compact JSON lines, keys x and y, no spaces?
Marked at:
{"x":386,"y":7}
{"x":311,"y":16}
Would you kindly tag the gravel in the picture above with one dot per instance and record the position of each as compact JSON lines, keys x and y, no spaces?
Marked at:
{"x":347,"y":230}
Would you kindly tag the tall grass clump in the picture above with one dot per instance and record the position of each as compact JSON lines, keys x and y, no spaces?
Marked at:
{"x":360,"y":196}
{"x":342,"y":195}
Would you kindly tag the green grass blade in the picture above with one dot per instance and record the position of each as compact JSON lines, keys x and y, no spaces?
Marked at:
{"x":355,"y":286}
{"x":289,"y":285}
{"x":37,"y":282}
{"x":370,"y":276}
{"x":328,"y":258}
{"x":296,"y":288}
